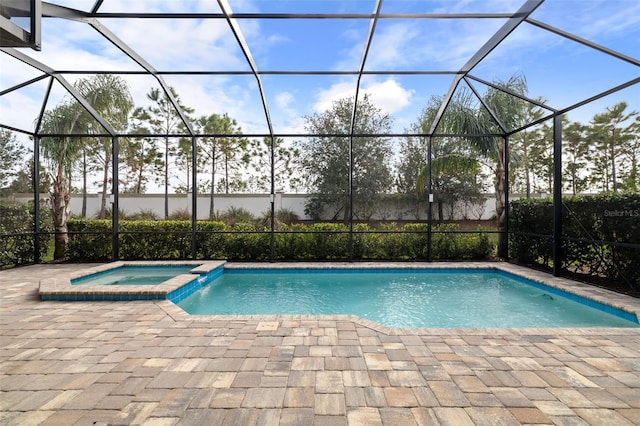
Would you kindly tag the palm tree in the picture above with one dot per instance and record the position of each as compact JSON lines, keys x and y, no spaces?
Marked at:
{"x":109,"y":96}
{"x":463,"y":118}
{"x":61,"y":153}
{"x":512,"y":113}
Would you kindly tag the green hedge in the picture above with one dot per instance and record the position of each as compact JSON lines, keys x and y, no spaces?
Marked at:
{"x":16,"y":234}
{"x":597,"y":220}
{"x":91,"y":240}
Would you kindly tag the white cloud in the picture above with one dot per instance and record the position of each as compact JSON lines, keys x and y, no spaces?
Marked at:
{"x":284,"y":99}
{"x":387,"y":95}
{"x":393,"y":46}
{"x":337,"y":91}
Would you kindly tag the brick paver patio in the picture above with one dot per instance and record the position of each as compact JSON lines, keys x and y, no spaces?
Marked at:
{"x":147,"y":362}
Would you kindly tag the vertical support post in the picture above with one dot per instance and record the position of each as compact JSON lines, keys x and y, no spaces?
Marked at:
{"x":36,"y":199}
{"x":351,"y":198}
{"x":194,"y":197}
{"x":35,"y":28}
{"x":115,"y":206}
{"x":272,"y":160}
{"x":507,"y":159}
{"x":429,"y":202}
{"x":557,"y":195}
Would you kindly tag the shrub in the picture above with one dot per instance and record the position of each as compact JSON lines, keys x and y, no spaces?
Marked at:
{"x":211,"y":240}
{"x":234,"y":215}
{"x":246,"y":242}
{"x":287,"y":216}
{"x":144,"y":214}
{"x":146,"y":240}
{"x":600,"y":237}
{"x":91,"y":240}
{"x":17,"y":243}
{"x":531,"y":216}
{"x":180,"y":214}
{"x":108,"y":214}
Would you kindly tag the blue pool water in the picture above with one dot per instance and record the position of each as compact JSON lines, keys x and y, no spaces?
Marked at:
{"x":134,"y":275}
{"x":399,"y":298}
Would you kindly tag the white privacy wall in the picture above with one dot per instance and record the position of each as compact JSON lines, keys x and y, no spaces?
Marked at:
{"x":256,"y":204}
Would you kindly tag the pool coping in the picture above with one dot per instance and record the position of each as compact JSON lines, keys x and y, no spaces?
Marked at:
{"x":60,"y":288}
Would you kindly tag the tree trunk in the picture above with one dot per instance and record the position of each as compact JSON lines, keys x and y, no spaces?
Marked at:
{"x":614,"y":180}
{"x":500,"y":207}
{"x":166,"y":178}
{"x":60,"y":199}
{"x":213,"y":182}
{"x":84,"y":183}
{"x":226,"y":174}
{"x":139,"y":179}
{"x":105,"y":183}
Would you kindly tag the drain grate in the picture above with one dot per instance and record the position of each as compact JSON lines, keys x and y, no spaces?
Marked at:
{"x":267,"y":326}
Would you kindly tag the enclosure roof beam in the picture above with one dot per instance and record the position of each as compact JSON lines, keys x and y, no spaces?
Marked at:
{"x":170,"y":15}
{"x":43,"y":105}
{"x":584,"y":42}
{"x":21,"y":85}
{"x":619,"y":87}
{"x":116,"y":41}
{"x":270,"y":72}
{"x":50,"y":10}
{"x":237,"y":32}
{"x":514,"y":21}
{"x":486,"y":106}
{"x":68,"y":86}
{"x":363,"y":60}
{"x":512,"y":93}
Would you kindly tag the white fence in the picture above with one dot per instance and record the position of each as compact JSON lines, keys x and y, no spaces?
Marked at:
{"x":257,"y":204}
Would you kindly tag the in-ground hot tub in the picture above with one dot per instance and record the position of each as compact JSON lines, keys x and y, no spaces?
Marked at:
{"x":131,"y":281}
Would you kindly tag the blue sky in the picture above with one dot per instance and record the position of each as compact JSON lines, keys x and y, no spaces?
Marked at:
{"x":559,"y":70}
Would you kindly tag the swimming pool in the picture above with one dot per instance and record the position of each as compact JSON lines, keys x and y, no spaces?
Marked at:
{"x":475,"y":298}
{"x":134,"y":275}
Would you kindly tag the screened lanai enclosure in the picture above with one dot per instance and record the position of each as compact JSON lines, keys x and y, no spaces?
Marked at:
{"x":323,"y":130}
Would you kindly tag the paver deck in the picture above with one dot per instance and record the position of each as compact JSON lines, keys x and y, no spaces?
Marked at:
{"x":149,"y":363}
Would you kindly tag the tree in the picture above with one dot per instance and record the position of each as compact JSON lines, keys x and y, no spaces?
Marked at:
{"x":610,"y":137}
{"x":61,"y":152}
{"x":412,"y":160}
{"x":575,"y":148}
{"x":184,"y":157}
{"x":143,"y":162}
{"x":542,"y":160}
{"x":224,"y":150}
{"x":284,"y":159}
{"x":454,"y":168}
{"x":530,"y":146}
{"x":11,"y":154}
{"x":162,"y":118}
{"x":631,"y":152}
{"x":23,"y":181}
{"x":325,"y":164}
{"x":512,"y":113}
{"x":110,"y":98}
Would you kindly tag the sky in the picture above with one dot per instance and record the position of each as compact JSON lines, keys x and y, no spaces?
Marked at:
{"x":558,"y":70}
